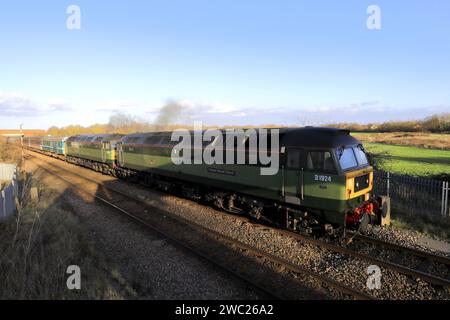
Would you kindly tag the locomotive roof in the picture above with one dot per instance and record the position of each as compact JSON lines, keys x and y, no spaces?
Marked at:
{"x":54,"y":138}
{"x":50,"y":138}
{"x":309,"y":137}
{"x":95,"y":137}
{"x":316,"y":137}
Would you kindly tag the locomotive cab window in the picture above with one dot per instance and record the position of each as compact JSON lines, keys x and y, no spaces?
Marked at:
{"x":293,"y":159}
{"x":360,"y":155}
{"x":152,"y":140}
{"x":347,"y":159}
{"x":320,"y":161}
{"x":164,"y":140}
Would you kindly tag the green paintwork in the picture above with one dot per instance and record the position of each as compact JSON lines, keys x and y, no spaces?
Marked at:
{"x":98,"y":151}
{"x":328,"y":197}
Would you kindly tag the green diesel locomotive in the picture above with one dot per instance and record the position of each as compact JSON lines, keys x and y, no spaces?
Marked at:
{"x":323,"y":179}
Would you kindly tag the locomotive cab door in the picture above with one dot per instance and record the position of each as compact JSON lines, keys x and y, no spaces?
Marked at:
{"x":293,"y":177}
{"x":104,"y":147}
{"x":120,"y":157}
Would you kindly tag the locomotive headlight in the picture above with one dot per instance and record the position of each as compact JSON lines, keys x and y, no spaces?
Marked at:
{"x":367,"y":197}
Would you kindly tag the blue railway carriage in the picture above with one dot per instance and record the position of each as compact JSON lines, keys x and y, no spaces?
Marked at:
{"x":55,"y":145}
{"x":33,"y":142}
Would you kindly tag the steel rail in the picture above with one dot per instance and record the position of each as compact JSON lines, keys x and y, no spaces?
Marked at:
{"x":398,"y":247}
{"x":165,"y":235}
{"x":381,"y":263}
{"x":254,"y":251}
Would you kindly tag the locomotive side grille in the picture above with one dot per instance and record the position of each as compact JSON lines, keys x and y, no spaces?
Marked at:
{"x":361,"y":182}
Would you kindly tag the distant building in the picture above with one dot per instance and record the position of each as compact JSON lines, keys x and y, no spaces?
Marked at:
{"x":25,"y":133}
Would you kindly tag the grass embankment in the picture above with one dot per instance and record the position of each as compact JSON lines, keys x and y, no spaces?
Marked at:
{"x":427,"y":225}
{"x":410,"y":153}
{"x":9,"y":153}
{"x":37,"y":246}
{"x":410,"y":159}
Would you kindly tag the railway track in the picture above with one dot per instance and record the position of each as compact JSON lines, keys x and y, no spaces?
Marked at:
{"x":405,"y":270}
{"x":421,"y":271}
{"x":427,"y":260}
{"x":431,"y":263}
{"x":136,"y":209}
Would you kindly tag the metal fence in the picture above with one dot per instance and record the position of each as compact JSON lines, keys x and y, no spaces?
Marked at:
{"x":8,"y":172}
{"x":414,"y":195}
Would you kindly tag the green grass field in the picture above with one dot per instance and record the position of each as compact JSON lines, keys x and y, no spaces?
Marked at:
{"x":411,"y":160}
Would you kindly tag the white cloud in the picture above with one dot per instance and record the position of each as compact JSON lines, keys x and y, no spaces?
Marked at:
{"x":347,"y":109}
{"x":57,"y":111}
{"x":364,"y":112}
{"x":109,"y":105}
{"x":18,"y":105}
{"x":211,"y":107}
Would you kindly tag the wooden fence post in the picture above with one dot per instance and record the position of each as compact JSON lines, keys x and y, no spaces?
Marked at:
{"x":387,"y":185}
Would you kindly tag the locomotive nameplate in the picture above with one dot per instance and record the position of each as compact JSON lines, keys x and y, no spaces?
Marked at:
{"x":221,"y":171}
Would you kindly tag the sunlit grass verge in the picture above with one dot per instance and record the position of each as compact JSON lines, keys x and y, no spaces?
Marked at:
{"x":431,"y":226}
{"x":414,"y":161}
{"x":39,"y":243}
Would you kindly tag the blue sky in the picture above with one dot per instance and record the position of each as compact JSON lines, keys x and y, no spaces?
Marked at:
{"x":225,"y":61}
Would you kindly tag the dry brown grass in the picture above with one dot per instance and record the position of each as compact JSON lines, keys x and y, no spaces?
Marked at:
{"x":438,"y":123}
{"x":3,"y":184}
{"x":39,"y":244}
{"x":9,"y":153}
{"x":418,"y":139}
